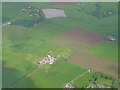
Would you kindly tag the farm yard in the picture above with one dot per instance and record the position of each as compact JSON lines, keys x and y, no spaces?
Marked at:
{"x":77,"y":36}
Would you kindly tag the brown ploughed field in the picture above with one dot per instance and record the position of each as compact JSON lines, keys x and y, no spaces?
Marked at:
{"x":86,"y":36}
{"x":95,"y":63}
{"x":80,"y":40}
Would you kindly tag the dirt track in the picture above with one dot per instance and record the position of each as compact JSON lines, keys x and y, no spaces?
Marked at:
{"x":78,"y":77}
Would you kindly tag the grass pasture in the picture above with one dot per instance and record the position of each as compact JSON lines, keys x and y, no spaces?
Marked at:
{"x":10,"y":76}
{"x":26,"y":50}
{"x":12,"y":9}
{"x":10,"y":33}
{"x":25,"y":23}
{"x":106,"y":50}
{"x":61,"y":69}
{"x":57,"y":6}
{"x":78,"y":84}
{"x":24,"y":45}
{"x":22,"y":16}
{"x":83,"y":14}
{"x":60,"y":5}
{"x":4,"y":19}
{"x":77,"y":18}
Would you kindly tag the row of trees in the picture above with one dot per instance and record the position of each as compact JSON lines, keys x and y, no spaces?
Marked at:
{"x":41,"y":17}
{"x":36,"y":13}
{"x":97,"y":78}
{"x":98,"y":13}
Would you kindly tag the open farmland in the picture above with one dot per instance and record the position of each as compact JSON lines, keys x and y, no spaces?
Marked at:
{"x":78,"y":38}
{"x":95,"y":63}
{"x":27,"y":59}
{"x":51,"y":78}
{"x":85,"y":36}
{"x":29,"y":45}
{"x":44,"y":79}
{"x":79,"y":55}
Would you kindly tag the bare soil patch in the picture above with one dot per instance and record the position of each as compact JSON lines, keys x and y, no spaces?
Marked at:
{"x":94,"y":63}
{"x":69,"y":42}
{"x":53,"y":13}
{"x":86,"y":36}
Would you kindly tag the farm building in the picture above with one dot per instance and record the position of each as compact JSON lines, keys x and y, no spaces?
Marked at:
{"x":68,"y":85}
{"x":50,"y":52}
{"x":111,"y":37}
{"x":108,"y":13}
{"x":53,"y":13}
{"x":7,"y":23}
{"x":47,"y":60}
{"x":92,"y":85}
{"x":89,"y":71}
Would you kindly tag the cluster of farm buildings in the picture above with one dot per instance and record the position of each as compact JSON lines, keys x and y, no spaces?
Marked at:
{"x":111,"y":37}
{"x":33,"y":12}
{"x":4,"y":24}
{"x":68,"y":85}
{"x":108,"y":13}
{"x":48,"y":60}
{"x":92,"y":85}
{"x":48,"y":13}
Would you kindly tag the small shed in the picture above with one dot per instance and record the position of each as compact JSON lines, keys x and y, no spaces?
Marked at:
{"x":89,"y":71}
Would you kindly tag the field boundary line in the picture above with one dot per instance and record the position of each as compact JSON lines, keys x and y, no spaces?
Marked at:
{"x":12,"y":86}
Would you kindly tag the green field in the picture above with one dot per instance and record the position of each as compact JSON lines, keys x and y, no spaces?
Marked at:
{"x":25,"y":23}
{"x":61,"y":69}
{"x":106,"y":49}
{"x":40,"y":79}
{"x":23,"y":48}
{"x":24,"y":44}
{"x":83,"y":15}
